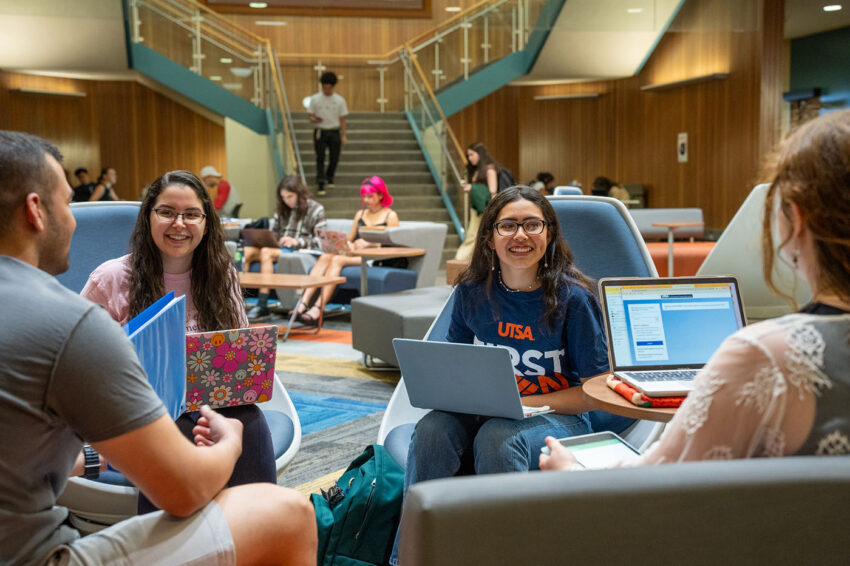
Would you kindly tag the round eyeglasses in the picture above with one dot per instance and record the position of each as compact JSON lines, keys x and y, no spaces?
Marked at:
{"x":530,"y":227}
{"x":189,"y":217}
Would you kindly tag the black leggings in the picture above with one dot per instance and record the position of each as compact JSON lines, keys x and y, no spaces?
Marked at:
{"x":256,"y":464}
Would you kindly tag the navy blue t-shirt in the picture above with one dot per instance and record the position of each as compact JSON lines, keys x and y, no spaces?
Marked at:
{"x":545,"y":359}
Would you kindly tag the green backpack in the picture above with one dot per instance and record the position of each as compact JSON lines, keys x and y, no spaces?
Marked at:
{"x":358,"y":517}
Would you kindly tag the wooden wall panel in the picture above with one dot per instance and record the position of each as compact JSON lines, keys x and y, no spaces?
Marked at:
{"x":630,"y":135}
{"x":121,"y":124}
{"x":493,"y":122}
{"x":342,"y":34}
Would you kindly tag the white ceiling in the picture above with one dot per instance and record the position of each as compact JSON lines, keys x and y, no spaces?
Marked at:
{"x":598,"y":39}
{"x":592,"y":38}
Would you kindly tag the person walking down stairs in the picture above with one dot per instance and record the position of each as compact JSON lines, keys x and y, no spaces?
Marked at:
{"x":327,"y":111}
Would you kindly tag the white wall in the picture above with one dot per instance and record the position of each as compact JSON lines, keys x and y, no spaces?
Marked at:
{"x":250,"y":169}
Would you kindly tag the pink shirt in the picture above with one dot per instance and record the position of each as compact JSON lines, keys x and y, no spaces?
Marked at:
{"x":109,"y":286}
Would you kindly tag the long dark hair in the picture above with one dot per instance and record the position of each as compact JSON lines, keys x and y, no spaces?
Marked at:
{"x":560,"y":271}
{"x":813,"y":171}
{"x":477,"y":173}
{"x":214,"y":282}
{"x":293,"y":184}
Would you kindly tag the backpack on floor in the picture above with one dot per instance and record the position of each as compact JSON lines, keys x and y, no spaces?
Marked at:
{"x":357,"y":518}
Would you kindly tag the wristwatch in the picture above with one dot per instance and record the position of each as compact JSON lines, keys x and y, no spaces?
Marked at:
{"x":92,"y":466}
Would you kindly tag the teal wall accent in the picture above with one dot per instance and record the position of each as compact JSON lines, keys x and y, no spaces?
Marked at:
{"x":660,"y":35}
{"x":823,"y":60}
{"x":490,"y":79}
{"x":203,"y":91}
{"x":498,"y":74}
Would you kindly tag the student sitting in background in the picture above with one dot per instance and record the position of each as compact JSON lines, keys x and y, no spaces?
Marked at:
{"x":105,"y":187}
{"x":374,"y":211}
{"x":543,"y":183}
{"x":780,"y":387}
{"x":178,"y":245}
{"x":296,"y":221}
{"x":80,"y":380}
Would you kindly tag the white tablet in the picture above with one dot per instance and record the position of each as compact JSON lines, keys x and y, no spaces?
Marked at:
{"x":597,"y":450}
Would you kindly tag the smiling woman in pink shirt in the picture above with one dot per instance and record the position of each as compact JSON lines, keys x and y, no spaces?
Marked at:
{"x":178,"y":245}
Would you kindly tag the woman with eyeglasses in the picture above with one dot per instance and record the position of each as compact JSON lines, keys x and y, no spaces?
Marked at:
{"x":521,"y":291}
{"x":374,"y":211}
{"x":178,"y":245}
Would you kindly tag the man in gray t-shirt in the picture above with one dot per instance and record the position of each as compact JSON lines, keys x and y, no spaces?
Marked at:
{"x":68,"y":374}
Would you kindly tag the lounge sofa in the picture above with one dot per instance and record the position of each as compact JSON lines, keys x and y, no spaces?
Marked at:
{"x":767,"y":511}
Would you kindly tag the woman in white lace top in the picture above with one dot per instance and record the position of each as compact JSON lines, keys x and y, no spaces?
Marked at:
{"x":780,"y":387}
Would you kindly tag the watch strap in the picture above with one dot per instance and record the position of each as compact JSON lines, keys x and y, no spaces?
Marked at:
{"x":92,"y":463}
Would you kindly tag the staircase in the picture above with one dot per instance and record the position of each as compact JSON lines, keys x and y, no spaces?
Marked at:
{"x":379,"y":144}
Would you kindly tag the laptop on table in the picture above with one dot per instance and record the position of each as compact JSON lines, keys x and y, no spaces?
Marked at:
{"x":333,"y":241}
{"x":229,"y":368}
{"x":461,"y":378}
{"x":259,"y":238}
{"x":661,"y":331}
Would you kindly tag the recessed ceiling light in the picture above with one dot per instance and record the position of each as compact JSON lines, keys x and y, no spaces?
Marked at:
{"x":258,"y":4}
{"x":270,"y":23}
{"x":225,"y":60}
{"x":215,"y":78}
{"x":452,"y":8}
{"x":832,"y":8}
{"x":634,"y":10}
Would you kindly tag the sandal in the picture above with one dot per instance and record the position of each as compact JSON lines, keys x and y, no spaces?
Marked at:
{"x":308,"y":319}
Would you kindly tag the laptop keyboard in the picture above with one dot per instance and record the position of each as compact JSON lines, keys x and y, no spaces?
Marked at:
{"x":672,"y":375}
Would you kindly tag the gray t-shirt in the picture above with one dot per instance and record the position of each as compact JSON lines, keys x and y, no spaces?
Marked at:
{"x":67,"y":373}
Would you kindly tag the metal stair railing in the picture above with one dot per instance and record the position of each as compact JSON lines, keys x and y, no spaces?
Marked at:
{"x":209,"y":45}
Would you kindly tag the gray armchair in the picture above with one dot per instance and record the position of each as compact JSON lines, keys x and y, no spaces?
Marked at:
{"x":774,"y":511}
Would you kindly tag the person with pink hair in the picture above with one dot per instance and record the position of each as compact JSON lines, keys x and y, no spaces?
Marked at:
{"x":375,"y":202}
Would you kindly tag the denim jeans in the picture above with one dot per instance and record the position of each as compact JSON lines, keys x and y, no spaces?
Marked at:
{"x":449,"y":444}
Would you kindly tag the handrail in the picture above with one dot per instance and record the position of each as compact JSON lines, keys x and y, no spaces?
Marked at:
{"x":433,"y":96}
{"x":280,"y":91}
{"x":391,"y":55}
{"x":207,"y":27}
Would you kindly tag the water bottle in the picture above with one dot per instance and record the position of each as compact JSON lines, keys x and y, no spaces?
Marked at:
{"x":237,"y":257}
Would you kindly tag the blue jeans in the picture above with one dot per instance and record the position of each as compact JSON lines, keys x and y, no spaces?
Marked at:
{"x":450,"y":444}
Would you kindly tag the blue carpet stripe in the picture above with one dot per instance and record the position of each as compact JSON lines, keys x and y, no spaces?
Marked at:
{"x":318,"y":412}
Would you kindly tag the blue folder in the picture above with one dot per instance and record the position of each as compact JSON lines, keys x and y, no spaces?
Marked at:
{"x":159,"y":336}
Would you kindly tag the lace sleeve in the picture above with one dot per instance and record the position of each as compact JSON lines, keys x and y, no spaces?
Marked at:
{"x":745,"y":402}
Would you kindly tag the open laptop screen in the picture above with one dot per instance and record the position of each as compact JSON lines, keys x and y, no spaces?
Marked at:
{"x":658,"y":323}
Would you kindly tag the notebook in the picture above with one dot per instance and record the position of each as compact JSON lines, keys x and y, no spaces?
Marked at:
{"x":662,"y":331}
{"x":229,"y":368}
{"x":333,"y":241}
{"x":461,"y":378}
{"x":259,"y":238}
{"x":159,"y":335}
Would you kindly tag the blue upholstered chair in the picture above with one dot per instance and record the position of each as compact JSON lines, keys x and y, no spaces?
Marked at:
{"x":565,"y":190}
{"x":605,"y":243}
{"x":103,"y":232}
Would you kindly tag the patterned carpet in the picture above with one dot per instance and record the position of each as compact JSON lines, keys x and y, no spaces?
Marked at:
{"x":339,"y":402}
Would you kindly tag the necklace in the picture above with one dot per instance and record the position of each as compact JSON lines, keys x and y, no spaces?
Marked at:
{"x":509,"y":290}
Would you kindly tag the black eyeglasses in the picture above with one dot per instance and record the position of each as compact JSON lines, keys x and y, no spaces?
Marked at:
{"x":530,"y":227}
{"x":189,"y":217}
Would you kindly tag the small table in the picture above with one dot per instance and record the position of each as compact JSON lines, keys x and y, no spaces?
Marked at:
{"x":597,"y":393}
{"x":380,"y":253}
{"x":289,"y":281}
{"x":670,"y":227}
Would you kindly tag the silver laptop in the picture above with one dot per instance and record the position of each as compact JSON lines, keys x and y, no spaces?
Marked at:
{"x":461,"y":378}
{"x":662,"y":331}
